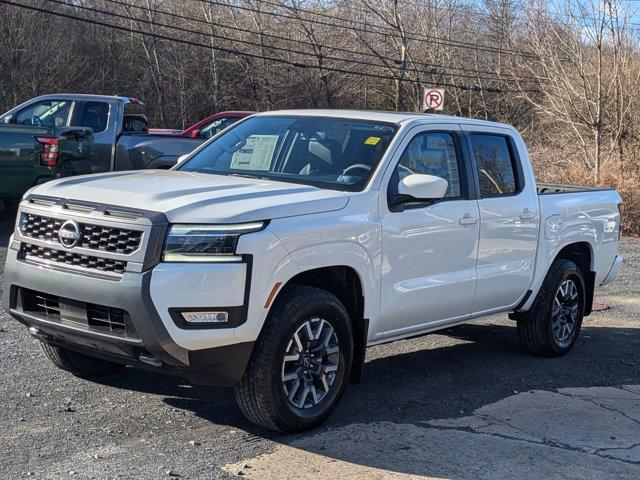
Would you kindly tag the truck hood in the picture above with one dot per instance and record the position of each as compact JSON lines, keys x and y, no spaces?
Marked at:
{"x":188,"y":197}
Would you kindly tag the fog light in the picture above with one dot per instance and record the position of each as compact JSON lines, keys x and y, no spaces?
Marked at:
{"x":205,"y":317}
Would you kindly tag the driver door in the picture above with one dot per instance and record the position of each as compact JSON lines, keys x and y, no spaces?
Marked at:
{"x":429,"y":249}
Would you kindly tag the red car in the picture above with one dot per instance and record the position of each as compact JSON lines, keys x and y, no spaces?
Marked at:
{"x":206,"y":128}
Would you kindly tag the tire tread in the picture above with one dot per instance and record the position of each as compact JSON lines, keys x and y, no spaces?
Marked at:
{"x":533,"y":325}
{"x":251,"y":392}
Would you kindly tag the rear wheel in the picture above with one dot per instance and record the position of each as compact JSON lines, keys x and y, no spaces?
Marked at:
{"x":552,"y":325}
{"x":300,"y":363}
{"x":80,"y":365}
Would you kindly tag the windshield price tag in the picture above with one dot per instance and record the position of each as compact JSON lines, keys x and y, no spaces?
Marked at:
{"x":256,"y":153}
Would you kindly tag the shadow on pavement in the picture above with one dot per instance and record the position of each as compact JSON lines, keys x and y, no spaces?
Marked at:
{"x":431,"y":383}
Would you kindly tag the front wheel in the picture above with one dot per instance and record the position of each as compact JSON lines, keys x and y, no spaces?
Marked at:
{"x":300,"y":363}
{"x":551,"y":326}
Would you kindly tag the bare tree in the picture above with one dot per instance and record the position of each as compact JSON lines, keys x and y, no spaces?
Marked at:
{"x":583,"y":56}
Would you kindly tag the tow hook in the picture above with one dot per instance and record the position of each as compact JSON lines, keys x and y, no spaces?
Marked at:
{"x":150,"y":359}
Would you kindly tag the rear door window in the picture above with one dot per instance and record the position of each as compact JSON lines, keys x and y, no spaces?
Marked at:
{"x":494,"y":164}
{"x":49,"y":113}
{"x":94,"y":115}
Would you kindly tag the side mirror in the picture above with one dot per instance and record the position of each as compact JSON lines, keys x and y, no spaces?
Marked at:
{"x":182,"y":158}
{"x":422,"y":187}
{"x":7,"y":119}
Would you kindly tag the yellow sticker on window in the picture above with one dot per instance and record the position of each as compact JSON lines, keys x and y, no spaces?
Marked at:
{"x":372,"y":141}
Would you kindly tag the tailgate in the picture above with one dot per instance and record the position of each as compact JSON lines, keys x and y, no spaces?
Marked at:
{"x":20,"y":158}
{"x":21,"y":147}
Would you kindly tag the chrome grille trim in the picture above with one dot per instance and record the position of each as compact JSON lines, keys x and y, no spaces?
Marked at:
{"x":116,"y":253}
{"x":93,"y":237}
{"x":73,"y":260}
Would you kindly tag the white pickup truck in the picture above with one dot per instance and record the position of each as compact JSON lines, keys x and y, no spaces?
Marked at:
{"x":279,"y":250}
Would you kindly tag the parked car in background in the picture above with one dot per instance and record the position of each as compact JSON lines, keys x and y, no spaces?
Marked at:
{"x":165,"y":131}
{"x":207,"y":127}
{"x":115,"y":126}
{"x":274,"y":255}
{"x":214,"y":124}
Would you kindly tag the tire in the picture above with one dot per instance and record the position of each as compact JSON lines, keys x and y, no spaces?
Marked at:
{"x":536,"y":326}
{"x":78,"y":364}
{"x":264,"y":392}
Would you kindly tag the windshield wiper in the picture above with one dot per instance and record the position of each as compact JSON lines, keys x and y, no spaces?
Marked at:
{"x":248,"y":175}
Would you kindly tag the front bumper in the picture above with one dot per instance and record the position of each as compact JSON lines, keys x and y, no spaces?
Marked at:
{"x":221,"y":365}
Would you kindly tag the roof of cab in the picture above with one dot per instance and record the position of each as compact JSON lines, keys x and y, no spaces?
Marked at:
{"x":393,"y":117}
{"x":86,"y":96}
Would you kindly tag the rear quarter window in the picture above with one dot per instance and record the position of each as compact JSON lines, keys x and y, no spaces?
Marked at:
{"x":94,"y":115}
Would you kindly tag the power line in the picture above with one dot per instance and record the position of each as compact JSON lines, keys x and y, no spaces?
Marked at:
{"x":412,"y":36}
{"x":247,"y":54}
{"x":527,"y":79}
{"x":368,"y":10}
{"x":271,"y":47}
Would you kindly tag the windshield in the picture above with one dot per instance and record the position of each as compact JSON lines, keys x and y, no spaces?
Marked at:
{"x":332,"y":153}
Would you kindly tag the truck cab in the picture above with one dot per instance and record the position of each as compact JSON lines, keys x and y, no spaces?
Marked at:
{"x":276,"y":253}
{"x":120,"y":129}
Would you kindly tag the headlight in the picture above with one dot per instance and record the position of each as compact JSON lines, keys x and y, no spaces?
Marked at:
{"x":206,"y":243}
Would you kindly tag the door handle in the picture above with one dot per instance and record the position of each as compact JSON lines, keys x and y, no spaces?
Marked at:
{"x":527,"y":215}
{"x":468,"y":220}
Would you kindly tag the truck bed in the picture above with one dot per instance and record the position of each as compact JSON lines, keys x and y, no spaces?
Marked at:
{"x":587,"y":213}
{"x":141,"y":150}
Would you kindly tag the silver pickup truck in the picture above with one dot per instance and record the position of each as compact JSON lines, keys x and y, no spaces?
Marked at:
{"x":283,"y":247}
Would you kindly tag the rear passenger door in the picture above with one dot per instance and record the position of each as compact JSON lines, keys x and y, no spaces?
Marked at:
{"x":98,"y":116}
{"x":428,"y":248}
{"x":509,"y":217}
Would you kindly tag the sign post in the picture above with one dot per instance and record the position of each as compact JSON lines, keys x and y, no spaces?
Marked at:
{"x":433,"y":100}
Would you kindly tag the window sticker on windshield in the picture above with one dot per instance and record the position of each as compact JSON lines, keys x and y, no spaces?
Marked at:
{"x":372,"y":141}
{"x":256,"y":154}
{"x":345,"y":179}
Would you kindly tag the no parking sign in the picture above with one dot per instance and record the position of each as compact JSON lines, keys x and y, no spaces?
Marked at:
{"x":433,"y":99}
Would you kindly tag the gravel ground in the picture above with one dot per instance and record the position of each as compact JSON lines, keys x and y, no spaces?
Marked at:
{"x":138,"y":425}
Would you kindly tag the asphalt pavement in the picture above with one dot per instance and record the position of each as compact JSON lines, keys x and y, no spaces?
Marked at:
{"x":467,"y":403}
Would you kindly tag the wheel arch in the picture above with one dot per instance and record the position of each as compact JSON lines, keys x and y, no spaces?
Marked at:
{"x":347,"y":285}
{"x":583,"y":255}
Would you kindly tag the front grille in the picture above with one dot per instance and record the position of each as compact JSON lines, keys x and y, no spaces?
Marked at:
{"x":72,"y":259}
{"x":94,"y":237}
{"x":89,"y":316}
